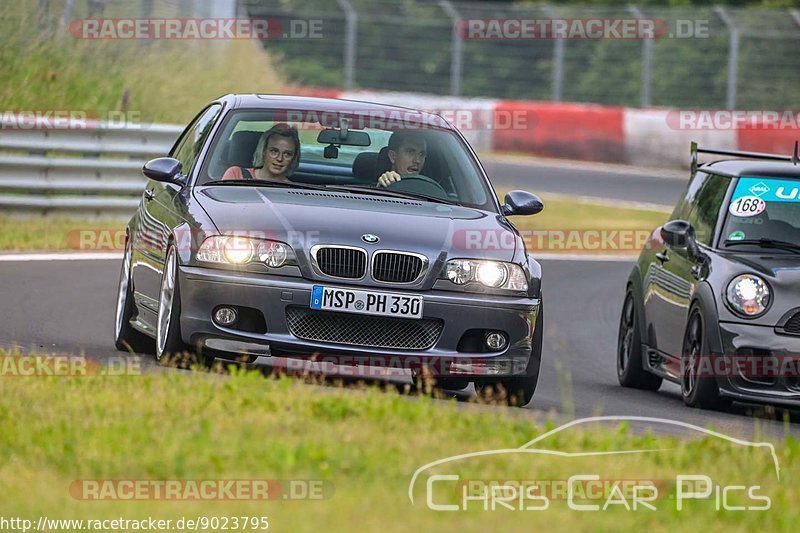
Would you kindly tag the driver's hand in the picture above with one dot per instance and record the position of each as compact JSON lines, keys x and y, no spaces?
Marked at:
{"x":387,"y":178}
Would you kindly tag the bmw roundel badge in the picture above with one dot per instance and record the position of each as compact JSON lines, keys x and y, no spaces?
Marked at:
{"x":370,"y":238}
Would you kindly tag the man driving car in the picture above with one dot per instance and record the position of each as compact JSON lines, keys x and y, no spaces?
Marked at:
{"x":406,"y":151}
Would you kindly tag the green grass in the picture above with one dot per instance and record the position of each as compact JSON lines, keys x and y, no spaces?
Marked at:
{"x":160,"y":81}
{"x":366,"y":442}
{"x":40,"y":233}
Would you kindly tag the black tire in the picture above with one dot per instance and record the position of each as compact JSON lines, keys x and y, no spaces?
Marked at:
{"x":126,"y":338}
{"x":519,"y":391}
{"x":170,"y":348}
{"x":698,"y":391}
{"x":630,"y":361}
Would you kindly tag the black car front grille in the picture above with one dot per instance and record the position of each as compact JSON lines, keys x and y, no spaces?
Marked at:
{"x":363,"y":330}
{"x":792,"y":326}
{"x":396,"y":267}
{"x":350,"y":263}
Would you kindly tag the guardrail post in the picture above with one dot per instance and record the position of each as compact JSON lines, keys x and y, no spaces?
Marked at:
{"x":733,"y":54}
{"x":457,"y":58}
{"x":351,"y":17}
{"x":647,"y":60}
{"x":558,"y":59}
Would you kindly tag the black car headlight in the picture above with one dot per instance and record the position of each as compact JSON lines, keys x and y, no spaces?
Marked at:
{"x":748,"y":295}
{"x":239,"y":250}
{"x":492,"y":274}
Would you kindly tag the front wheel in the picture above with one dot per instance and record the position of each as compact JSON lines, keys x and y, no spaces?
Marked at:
{"x":169,"y":344}
{"x":630,"y":363}
{"x":519,"y":391}
{"x":698,"y":390}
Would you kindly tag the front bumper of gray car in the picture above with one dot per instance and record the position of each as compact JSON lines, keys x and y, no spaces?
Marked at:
{"x":280,"y":323}
{"x":754,"y":379}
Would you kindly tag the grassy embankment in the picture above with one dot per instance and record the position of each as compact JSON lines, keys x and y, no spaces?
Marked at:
{"x":366,"y":443}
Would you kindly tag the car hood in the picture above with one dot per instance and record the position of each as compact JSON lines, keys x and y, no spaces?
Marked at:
{"x":303,"y":218}
{"x":783,"y":269}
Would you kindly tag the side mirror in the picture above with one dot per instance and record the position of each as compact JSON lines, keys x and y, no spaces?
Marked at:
{"x":522,"y":203}
{"x":679,"y":234}
{"x":164,"y":169}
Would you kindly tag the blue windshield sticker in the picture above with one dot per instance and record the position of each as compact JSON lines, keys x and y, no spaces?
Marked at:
{"x":768,"y":189}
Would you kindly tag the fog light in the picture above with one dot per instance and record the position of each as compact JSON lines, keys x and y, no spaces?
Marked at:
{"x":225,"y":316}
{"x":496,"y":341}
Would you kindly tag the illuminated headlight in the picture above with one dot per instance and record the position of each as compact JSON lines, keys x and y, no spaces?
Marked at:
{"x":493,"y":274}
{"x":748,"y":295}
{"x":237,"y":250}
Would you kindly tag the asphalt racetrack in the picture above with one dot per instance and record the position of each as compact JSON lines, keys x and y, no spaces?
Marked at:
{"x":67,"y":307}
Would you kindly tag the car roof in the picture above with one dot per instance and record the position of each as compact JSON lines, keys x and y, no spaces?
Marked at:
{"x":335,"y":105}
{"x":749,"y":167}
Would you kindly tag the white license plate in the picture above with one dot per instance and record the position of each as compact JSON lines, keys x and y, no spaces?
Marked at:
{"x":366,"y":302}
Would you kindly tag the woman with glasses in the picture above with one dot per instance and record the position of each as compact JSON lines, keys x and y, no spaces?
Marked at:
{"x":276,"y":156}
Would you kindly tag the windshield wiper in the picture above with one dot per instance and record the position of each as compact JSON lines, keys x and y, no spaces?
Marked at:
{"x":270,"y":183}
{"x":767,"y":243}
{"x":396,"y":194}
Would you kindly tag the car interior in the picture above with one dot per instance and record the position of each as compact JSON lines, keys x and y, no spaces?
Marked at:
{"x":365,"y":169}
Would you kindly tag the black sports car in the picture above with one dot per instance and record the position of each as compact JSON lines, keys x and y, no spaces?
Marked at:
{"x":308,"y":227}
{"x":713,"y":302}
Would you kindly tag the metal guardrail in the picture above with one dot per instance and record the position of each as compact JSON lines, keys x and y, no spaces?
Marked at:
{"x":93,"y":167}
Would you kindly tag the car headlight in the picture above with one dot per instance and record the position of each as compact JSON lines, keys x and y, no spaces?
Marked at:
{"x":748,"y":295}
{"x":493,"y":274}
{"x":238,"y":250}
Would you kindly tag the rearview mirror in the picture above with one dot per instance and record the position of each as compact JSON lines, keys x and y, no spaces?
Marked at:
{"x":522,"y":203}
{"x":344,"y":137}
{"x":164,"y":169}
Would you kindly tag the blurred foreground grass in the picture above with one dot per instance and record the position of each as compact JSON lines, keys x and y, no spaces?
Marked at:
{"x":364,"y":443}
{"x":560,"y":214}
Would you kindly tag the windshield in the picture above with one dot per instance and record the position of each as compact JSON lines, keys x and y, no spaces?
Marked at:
{"x":763,"y":208}
{"x":346,"y":153}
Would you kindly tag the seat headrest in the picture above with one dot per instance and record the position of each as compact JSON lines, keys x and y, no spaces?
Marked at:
{"x":364,"y":167}
{"x":241,"y":148}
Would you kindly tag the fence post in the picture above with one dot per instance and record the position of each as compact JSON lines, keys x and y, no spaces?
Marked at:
{"x":558,"y":58}
{"x":351,"y":17}
{"x":647,"y":60}
{"x":733,"y":54}
{"x":795,"y":13}
{"x":456,"y":61}
{"x":66,"y":17}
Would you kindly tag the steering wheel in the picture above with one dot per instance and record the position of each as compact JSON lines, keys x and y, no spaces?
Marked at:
{"x":419,"y":184}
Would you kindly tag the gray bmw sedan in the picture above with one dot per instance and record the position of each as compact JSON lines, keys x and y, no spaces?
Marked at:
{"x":307,"y":228}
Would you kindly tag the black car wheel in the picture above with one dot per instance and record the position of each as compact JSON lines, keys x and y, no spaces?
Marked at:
{"x":519,"y":391}
{"x":126,"y":338}
{"x":630,"y":363}
{"x":698,"y":390}
{"x":168,"y":330}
